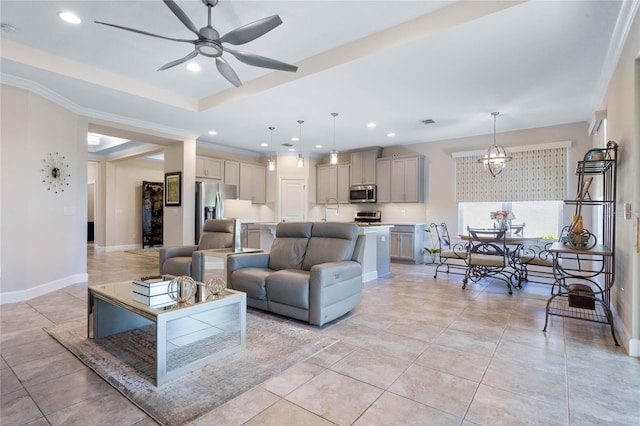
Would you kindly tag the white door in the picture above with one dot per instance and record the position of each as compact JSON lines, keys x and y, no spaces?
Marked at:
{"x":293,"y":199}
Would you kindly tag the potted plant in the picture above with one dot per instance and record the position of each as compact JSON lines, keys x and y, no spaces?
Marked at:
{"x":433,"y":253}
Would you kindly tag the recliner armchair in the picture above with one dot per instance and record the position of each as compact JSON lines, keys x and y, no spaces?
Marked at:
{"x":313,"y":272}
{"x":189,"y":260}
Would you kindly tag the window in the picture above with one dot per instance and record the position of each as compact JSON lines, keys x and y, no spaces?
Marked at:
{"x":532,"y":187}
{"x":541,"y":218}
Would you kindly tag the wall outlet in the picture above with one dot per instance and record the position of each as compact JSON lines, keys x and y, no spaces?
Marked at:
{"x":403,"y":212}
{"x":627,"y":211}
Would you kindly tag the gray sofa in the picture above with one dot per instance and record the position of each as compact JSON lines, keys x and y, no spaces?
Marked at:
{"x":189,"y":260}
{"x":313,"y":272}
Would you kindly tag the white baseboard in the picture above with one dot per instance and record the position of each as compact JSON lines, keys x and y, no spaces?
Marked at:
{"x":30,"y":293}
{"x":634,"y":347}
{"x":370,"y":276}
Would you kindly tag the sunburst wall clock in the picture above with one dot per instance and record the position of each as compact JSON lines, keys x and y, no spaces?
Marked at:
{"x":55,"y":172}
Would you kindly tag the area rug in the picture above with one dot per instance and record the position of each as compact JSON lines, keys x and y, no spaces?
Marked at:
{"x":149,"y":252}
{"x":273,"y":345}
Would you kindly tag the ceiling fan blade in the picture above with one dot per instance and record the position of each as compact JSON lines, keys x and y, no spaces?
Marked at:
{"x":145,"y":33}
{"x":182,"y":16}
{"x":228,"y":72}
{"x":179,"y":61}
{"x":252,"y":31}
{"x":261,"y":61}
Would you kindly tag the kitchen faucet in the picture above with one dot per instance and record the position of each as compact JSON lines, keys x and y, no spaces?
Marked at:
{"x":326,"y":207}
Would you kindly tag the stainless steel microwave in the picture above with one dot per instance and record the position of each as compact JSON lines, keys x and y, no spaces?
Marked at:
{"x":363,"y":193}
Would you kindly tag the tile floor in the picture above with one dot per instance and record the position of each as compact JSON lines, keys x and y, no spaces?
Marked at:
{"x":416,"y":352}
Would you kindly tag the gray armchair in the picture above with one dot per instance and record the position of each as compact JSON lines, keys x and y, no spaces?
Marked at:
{"x":189,"y":260}
{"x":312,"y":273}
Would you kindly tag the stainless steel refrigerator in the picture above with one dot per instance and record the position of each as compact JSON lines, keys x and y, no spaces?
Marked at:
{"x":209,"y":201}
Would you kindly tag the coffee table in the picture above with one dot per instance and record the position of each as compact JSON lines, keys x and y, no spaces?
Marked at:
{"x":187,"y":336}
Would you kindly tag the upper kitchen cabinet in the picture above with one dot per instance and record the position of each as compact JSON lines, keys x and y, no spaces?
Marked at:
{"x":211,"y":168}
{"x":232,"y":173}
{"x":363,"y":166}
{"x":253,"y":178}
{"x":332,"y":183}
{"x":401,"y":179}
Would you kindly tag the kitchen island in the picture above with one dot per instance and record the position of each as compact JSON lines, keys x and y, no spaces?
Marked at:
{"x":377,"y":255}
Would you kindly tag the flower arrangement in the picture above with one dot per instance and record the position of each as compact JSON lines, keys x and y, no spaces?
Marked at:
{"x":502,"y":215}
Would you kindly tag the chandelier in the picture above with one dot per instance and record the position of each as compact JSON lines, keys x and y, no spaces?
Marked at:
{"x":496,"y":157}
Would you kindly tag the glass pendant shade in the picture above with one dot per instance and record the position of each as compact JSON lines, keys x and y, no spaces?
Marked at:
{"x":334,"y":151}
{"x":271,"y":162}
{"x":300,"y":156}
{"x":496,"y":158}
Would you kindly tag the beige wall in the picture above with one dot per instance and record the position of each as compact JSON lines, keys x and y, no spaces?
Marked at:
{"x":623,"y":126}
{"x":32,"y":217}
{"x":124,"y":212}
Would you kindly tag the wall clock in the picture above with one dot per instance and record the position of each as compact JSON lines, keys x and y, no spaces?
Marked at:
{"x":55,"y":172}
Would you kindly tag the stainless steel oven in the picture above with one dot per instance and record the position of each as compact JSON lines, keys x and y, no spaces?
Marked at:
{"x":363,"y":193}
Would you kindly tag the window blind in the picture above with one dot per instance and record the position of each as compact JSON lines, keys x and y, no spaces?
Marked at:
{"x":537,"y":175}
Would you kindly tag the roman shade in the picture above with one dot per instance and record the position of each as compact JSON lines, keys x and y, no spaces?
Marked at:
{"x":532,"y":175}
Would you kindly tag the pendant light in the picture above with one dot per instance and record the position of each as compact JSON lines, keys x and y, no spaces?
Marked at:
{"x":334,"y":152}
{"x":300,"y":157}
{"x":271,"y":162}
{"x":496,"y":157}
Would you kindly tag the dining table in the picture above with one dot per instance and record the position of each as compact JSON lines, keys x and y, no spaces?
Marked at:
{"x":515,"y":245}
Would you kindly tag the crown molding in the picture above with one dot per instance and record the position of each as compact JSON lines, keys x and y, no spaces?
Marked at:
{"x":45,"y":92}
{"x":628,"y":10}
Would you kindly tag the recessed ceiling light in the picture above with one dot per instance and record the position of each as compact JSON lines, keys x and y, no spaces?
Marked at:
{"x":292,"y":149}
{"x":391,"y":134}
{"x":69,"y":17}
{"x":318,"y":146}
{"x":212,"y":132}
{"x":193,"y":67}
{"x":371,"y":125}
{"x":264,"y":144}
{"x":295,"y":139}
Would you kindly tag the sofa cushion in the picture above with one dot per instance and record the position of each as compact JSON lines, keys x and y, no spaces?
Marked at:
{"x":251,"y":281}
{"x":289,"y":247}
{"x":330,"y":242}
{"x":289,"y":287}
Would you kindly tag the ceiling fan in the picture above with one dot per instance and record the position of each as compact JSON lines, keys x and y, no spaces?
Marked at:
{"x":209,"y":42}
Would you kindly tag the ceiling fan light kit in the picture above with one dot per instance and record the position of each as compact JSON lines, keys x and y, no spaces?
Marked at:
{"x":209,"y":42}
{"x":496,"y":158}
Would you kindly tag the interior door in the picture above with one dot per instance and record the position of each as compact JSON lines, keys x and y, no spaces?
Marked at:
{"x":293,"y":199}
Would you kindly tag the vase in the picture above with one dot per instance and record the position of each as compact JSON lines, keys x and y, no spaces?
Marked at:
{"x":501,"y":225}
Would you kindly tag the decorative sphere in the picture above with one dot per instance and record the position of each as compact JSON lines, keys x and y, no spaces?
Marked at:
{"x":216,"y":285}
{"x":182,"y":289}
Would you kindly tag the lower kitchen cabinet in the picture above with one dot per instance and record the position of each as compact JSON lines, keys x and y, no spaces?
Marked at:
{"x":407,"y":243}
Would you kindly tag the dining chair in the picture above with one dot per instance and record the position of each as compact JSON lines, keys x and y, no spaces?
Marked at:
{"x":446,"y":250}
{"x":518,"y":230}
{"x":488,"y":256}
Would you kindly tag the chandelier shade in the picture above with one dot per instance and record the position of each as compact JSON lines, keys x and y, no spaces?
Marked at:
{"x":496,"y":158}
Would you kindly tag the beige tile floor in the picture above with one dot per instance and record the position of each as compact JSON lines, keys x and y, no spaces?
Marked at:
{"x":416,"y":352}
